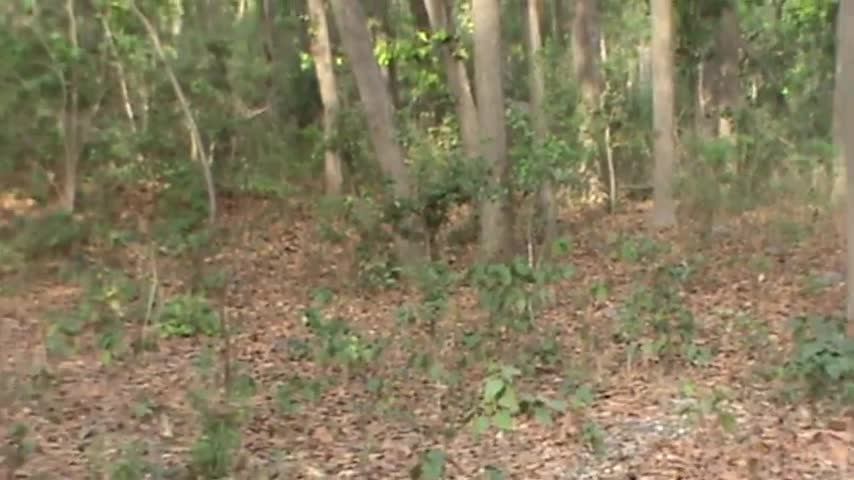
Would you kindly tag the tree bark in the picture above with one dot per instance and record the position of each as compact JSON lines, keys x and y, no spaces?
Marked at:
{"x":496,"y":216}
{"x":718,"y":84}
{"x":838,"y":187}
{"x":377,"y":103}
{"x":321,"y":51}
{"x":845,"y":96}
{"x":585,"y":50}
{"x":458,"y":80}
{"x":664,"y":146}
{"x":538,"y":115}
{"x":586,"y":56}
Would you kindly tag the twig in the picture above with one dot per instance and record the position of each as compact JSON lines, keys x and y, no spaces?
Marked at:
{"x":152,"y":295}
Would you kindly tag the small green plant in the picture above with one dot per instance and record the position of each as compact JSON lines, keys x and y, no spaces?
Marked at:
{"x":187,"y":316}
{"x":712,"y":403}
{"x":19,"y":447}
{"x":501,"y":402}
{"x":657,"y":324}
{"x":50,"y":234}
{"x":296,"y":390}
{"x":131,"y":464}
{"x":594,"y":436}
{"x":214,"y":453}
{"x":104,"y":308}
{"x":431,"y":466}
{"x":822,"y":359}
{"x":514,"y":292}
{"x":634,"y":249}
{"x":338,"y":342}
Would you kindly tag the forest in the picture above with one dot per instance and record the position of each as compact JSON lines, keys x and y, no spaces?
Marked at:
{"x":426,"y":239}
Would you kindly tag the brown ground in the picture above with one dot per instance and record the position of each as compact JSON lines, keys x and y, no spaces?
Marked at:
{"x":81,"y":416}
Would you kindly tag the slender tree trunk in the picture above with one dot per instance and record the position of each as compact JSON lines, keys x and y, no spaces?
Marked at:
{"x":321,"y":51}
{"x":458,"y":79}
{"x":664,"y":146}
{"x":377,"y":103}
{"x":538,"y":115}
{"x":586,"y":55}
{"x":496,"y":217}
{"x":838,"y":187}
{"x":845,"y":116}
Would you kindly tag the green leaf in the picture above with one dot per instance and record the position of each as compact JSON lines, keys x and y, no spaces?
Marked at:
{"x":480,"y":424}
{"x":503,"y":420}
{"x":509,"y":400}
{"x":492,"y":389}
{"x":433,"y":465}
{"x":543,"y":415}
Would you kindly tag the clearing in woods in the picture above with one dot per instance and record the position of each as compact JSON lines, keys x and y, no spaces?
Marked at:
{"x":658,"y":356}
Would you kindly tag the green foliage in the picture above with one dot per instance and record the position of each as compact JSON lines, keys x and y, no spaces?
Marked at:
{"x":107,"y":304}
{"x":431,"y":466}
{"x":502,"y":401}
{"x":188,"y":315}
{"x":131,"y":464}
{"x":821,"y":362}
{"x":213,"y":455}
{"x":638,"y":248}
{"x":712,"y":403}
{"x":50,"y":234}
{"x":292,"y":392}
{"x":512,"y":293}
{"x":337,"y":342}
{"x":657,"y":324}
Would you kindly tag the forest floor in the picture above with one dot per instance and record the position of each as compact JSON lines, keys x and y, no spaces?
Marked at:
{"x":708,"y":404}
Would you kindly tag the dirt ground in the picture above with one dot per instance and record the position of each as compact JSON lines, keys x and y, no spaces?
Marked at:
{"x":646,"y":420}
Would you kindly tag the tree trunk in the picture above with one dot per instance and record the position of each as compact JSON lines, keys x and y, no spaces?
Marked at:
{"x":379,"y":11}
{"x":538,"y":115}
{"x":321,"y":51}
{"x":838,"y":187}
{"x":272,"y":53}
{"x":458,"y":80}
{"x":845,"y":96}
{"x":496,"y":216}
{"x":718,"y":85}
{"x":664,"y":146}
{"x":377,"y":103}
{"x":585,"y":50}
{"x":586,"y":55}
{"x":418,"y":9}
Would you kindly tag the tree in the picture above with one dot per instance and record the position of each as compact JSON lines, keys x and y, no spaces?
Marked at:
{"x":458,"y":78}
{"x":718,"y":84}
{"x":586,"y":54}
{"x":664,"y":144}
{"x":585,"y":50}
{"x":377,"y":104}
{"x":538,"y":115}
{"x":845,"y":97}
{"x":321,"y":52}
{"x":496,"y":216}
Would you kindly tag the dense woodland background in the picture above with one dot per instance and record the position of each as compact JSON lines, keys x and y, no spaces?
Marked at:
{"x":426,"y":239}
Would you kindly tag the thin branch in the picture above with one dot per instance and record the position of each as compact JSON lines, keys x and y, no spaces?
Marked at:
{"x":205,"y":159}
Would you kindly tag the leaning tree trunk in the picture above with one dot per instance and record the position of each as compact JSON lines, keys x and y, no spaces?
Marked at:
{"x":664,"y":146}
{"x":458,"y":79}
{"x":377,"y":103}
